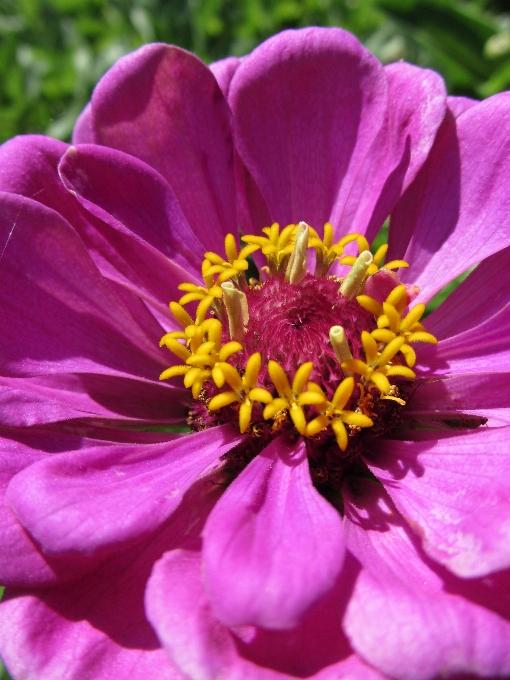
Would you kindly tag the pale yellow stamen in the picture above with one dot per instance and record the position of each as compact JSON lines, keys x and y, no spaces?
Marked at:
{"x":296,"y":269}
{"x":354,"y":278}
{"x":340,"y":346}
{"x":237,"y":310}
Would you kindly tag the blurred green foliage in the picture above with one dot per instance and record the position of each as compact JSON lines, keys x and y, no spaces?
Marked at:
{"x":52,"y":52}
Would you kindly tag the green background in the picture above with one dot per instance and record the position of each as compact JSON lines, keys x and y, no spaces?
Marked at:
{"x":52,"y":52}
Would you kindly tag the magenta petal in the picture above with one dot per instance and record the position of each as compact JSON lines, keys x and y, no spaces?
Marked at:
{"x":50,"y":398}
{"x":400,"y":617}
{"x":224,"y":70}
{"x":456,"y":494}
{"x":479,"y":297}
{"x":202,"y":647}
{"x":416,"y":108}
{"x":483,"y":394}
{"x":22,"y":406}
{"x":96,"y":628}
{"x":29,"y":165}
{"x":62,"y":317}
{"x":22,"y":564}
{"x":109,"y":181}
{"x":97,"y":499}
{"x":164,"y":106}
{"x":83,"y":132}
{"x":259,"y":539}
{"x":20,"y":560}
{"x":457,"y":211}
{"x":458,"y":105}
{"x":484,"y":348}
{"x":307,"y":106}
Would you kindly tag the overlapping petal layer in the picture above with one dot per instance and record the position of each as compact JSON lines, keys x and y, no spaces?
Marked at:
{"x":427,"y":631}
{"x":97,"y":499}
{"x":164,"y":106}
{"x":97,"y":626}
{"x":456,"y":212}
{"x":259,"y":538}
{"x":455,"y":493}
{"x":307,"y":107}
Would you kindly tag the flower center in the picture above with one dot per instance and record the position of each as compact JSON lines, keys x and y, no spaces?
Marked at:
{"x":295,"y":354}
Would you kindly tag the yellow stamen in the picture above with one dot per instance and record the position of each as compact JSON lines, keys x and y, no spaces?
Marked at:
{"x":173,"y":371}
{"x":370,"y":304}
{"x":333,"y":413}
{"x":181,"y":314}
{"x":233,"y":266}
{"x":237,"y":310}
{"x":390,"y":324}
{"x":354,"y":278}
{"x":199,"y":344}
{"x":276,"y":246}
{"x":296,"y":269}
{"x":326,"y":251}
{"x":291,"y":399}
{"x":340,"y":346}
{"x":244,"y":388}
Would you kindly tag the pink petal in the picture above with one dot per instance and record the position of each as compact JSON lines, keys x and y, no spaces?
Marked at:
{"x":457,"y":211}
{"x":486,"y":394}
{"x":458,"y":105}
{"x":307,"y":106}
{"x":110,"y":183}
{"x":400,"y":617}
{"x":456,"y":494}
{"x":224,"y":70}
{"x":50,"y":398}
{"x":40,"y":641}
{"x":479,"y":297}
{"x":202,"y":647}
{"x":164,"y":106}
{"x":259,"y":539}
{"x":97,"y":627}
{"x":29,"y":167}
{"x":83,"y":132}
{"x":484,"y":348}
{"x":416,"y":108}
{"x":63,"y":317}
{"x":96,"y":499}
{"x":21,"y":562}
{"x":198,"y":644}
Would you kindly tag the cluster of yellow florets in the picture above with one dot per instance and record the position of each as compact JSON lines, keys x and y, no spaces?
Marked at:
{"x":205,"y":357}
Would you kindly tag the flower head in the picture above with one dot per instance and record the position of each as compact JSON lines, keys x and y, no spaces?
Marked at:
{"x":339,"y":503}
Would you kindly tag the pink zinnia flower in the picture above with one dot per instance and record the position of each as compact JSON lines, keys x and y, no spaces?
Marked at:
{"x":341,"y":507}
